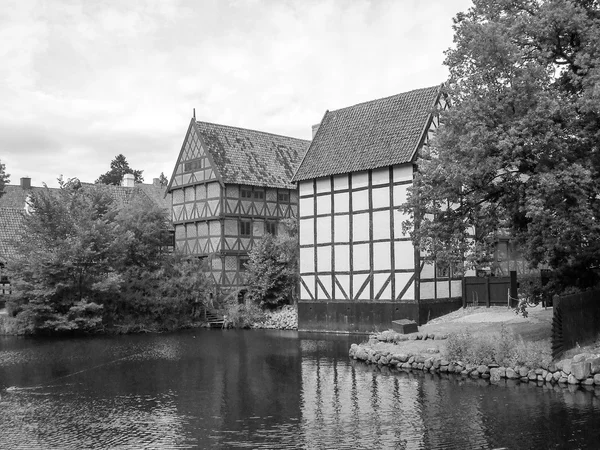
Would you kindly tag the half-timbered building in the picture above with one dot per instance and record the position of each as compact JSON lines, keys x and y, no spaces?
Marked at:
{"x":358,"y":269}
{"x":230,"y":186}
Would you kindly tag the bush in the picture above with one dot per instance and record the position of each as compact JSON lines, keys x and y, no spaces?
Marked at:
{"x":242,"y":315}
{"x":502,"y":348}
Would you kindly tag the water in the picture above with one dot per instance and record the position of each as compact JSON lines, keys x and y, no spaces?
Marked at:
{"x":271,"y":389}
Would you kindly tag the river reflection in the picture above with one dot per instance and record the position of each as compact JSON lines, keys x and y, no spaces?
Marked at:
{"x":264,"y":389}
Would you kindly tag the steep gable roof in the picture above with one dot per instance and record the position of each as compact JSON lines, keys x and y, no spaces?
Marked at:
{"x":252,"y":157}
{"x":369,"y":135}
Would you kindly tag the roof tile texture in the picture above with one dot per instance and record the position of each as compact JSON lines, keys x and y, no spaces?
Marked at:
{"x":369,"y":135}
{"x":252,"y":157}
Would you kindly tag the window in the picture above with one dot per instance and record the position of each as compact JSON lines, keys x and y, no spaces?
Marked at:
{"x":283,"y":196}
{"x":242,"y":263}
{"x":271,"y":228}
{"x":442,"y":270}
{"x":448,"y":270}
{"x":245,"y":228}
{"x":190,"y":166}
{"x":246,"y":193}
{"x":259,"y":195}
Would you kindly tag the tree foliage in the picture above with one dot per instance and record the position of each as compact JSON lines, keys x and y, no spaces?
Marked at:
{"x":518,"y":153}
{"x":4,"y":178}
{"x":163,"y":180}
{"x":84,"y":263}
{"x":118,"y":168}
{"x":272,"y":268}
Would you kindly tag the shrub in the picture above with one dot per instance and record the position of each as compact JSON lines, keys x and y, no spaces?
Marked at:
{"x":502,"y":348}
{"x":242,"y":315}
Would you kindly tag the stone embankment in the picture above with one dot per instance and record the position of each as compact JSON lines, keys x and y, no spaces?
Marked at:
{"x":582,"y":369}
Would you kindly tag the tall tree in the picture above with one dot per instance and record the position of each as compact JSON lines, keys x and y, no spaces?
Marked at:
{"x":519,"y":151}
{"x":4,"y":178}
{"x":119,"y":167}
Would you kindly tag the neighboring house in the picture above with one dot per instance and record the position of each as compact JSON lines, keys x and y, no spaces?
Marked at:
{"x":358,"y":270}
{"x":230,"y":186}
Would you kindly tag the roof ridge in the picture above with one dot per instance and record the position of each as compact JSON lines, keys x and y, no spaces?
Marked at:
{"x":255,"y":131}
{"x":401,"y":94}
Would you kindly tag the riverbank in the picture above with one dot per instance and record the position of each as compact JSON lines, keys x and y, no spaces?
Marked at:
{"x":431,"y":348}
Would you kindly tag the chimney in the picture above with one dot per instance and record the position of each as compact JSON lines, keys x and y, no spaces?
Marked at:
{"x":315,"y":128}
{"x":26,"y":183}
{"x":156,"y":181}
{"x":128,"y":180}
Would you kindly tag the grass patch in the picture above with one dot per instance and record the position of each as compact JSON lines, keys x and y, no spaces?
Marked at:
{"x":502,"y":348}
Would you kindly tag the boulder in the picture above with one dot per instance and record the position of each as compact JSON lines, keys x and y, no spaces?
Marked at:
{"x":580,"y":369}
{"x":572,"y":380}
{"x":531,"y":375}
{"x":549,"y":378}
{"x":483,"y":369}
{"x":597,"y":379}
{"x":511,"y":374}
{"x":595,"y":365}
{"x":588,"y":382}
{"x":495,"y":374}
{"x":523,"y":371}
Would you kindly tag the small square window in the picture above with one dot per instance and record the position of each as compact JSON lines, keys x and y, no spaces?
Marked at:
{"x":283,"y":196}
{"x":259,"y":195}
{"x":272,"y":228}
{"x":246,"y":193}
{"x":245,"y":227}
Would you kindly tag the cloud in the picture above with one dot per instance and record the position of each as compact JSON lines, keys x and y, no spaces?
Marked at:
{"x":89,"y":80}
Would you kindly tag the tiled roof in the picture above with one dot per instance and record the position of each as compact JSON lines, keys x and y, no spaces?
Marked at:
{"x":252,"y":157}
{"x":14,"y":196}
{"x":156,"y":194}
{"x":11,"y":221}
{"x":369,"y":135}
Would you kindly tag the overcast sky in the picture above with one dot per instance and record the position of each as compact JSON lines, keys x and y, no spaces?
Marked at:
{"x":82,"y":81}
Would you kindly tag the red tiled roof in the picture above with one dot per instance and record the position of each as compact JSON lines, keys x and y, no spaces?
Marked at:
{"x":369,"y":135}
{"x":252,"y":157}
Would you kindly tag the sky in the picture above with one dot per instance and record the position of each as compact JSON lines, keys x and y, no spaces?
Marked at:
{"x":83,"y":81}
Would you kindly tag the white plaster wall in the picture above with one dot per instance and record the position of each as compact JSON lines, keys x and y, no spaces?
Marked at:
{"x":342,"y":258}
{"x":360,"y":227}
{"x":307,"y":260}
{"x":361,"y":257}
{"x":382,"y":258}
{"x":404,"y":255}
{"x":403,"y":172}
{"x":306,"y":187}
{"x":306,"y":207}
{"x":360,"y":200}
{"x":381,"y":225}
{"x":323,"y":185}
{"x":340,"y":182}
{"x":341,"y":225}
{"x":342,"y":202}
{"x":380,"y":176}
{"x":324,"y":204}
{"x":323,"y":229}
{"x":360,"y":179}
{"x":456,"y":288}
{"x":381,"y":197}
{"x":306,"y":231}
{"x":324,"y":259}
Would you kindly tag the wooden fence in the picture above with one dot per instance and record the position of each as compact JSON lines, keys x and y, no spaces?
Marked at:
{"x":488,"y":291}
{"x":576,"y":320}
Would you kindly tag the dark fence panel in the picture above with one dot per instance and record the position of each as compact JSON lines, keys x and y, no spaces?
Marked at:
{"x":486,"y":291}
{"x":576,"y":321}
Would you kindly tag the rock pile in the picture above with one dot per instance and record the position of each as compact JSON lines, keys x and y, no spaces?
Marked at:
{"x":285,"y":318}
{"x":393,"y":337}
{"x":582,"y":369}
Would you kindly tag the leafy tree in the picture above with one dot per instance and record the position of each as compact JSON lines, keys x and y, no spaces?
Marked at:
{"x":164,"y":181}
{"x":119,"y":167}
{"x":518,"y":153}
{"x":272,"y":268}
{"x":4,"y":178}
{"x":84,"y":263}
